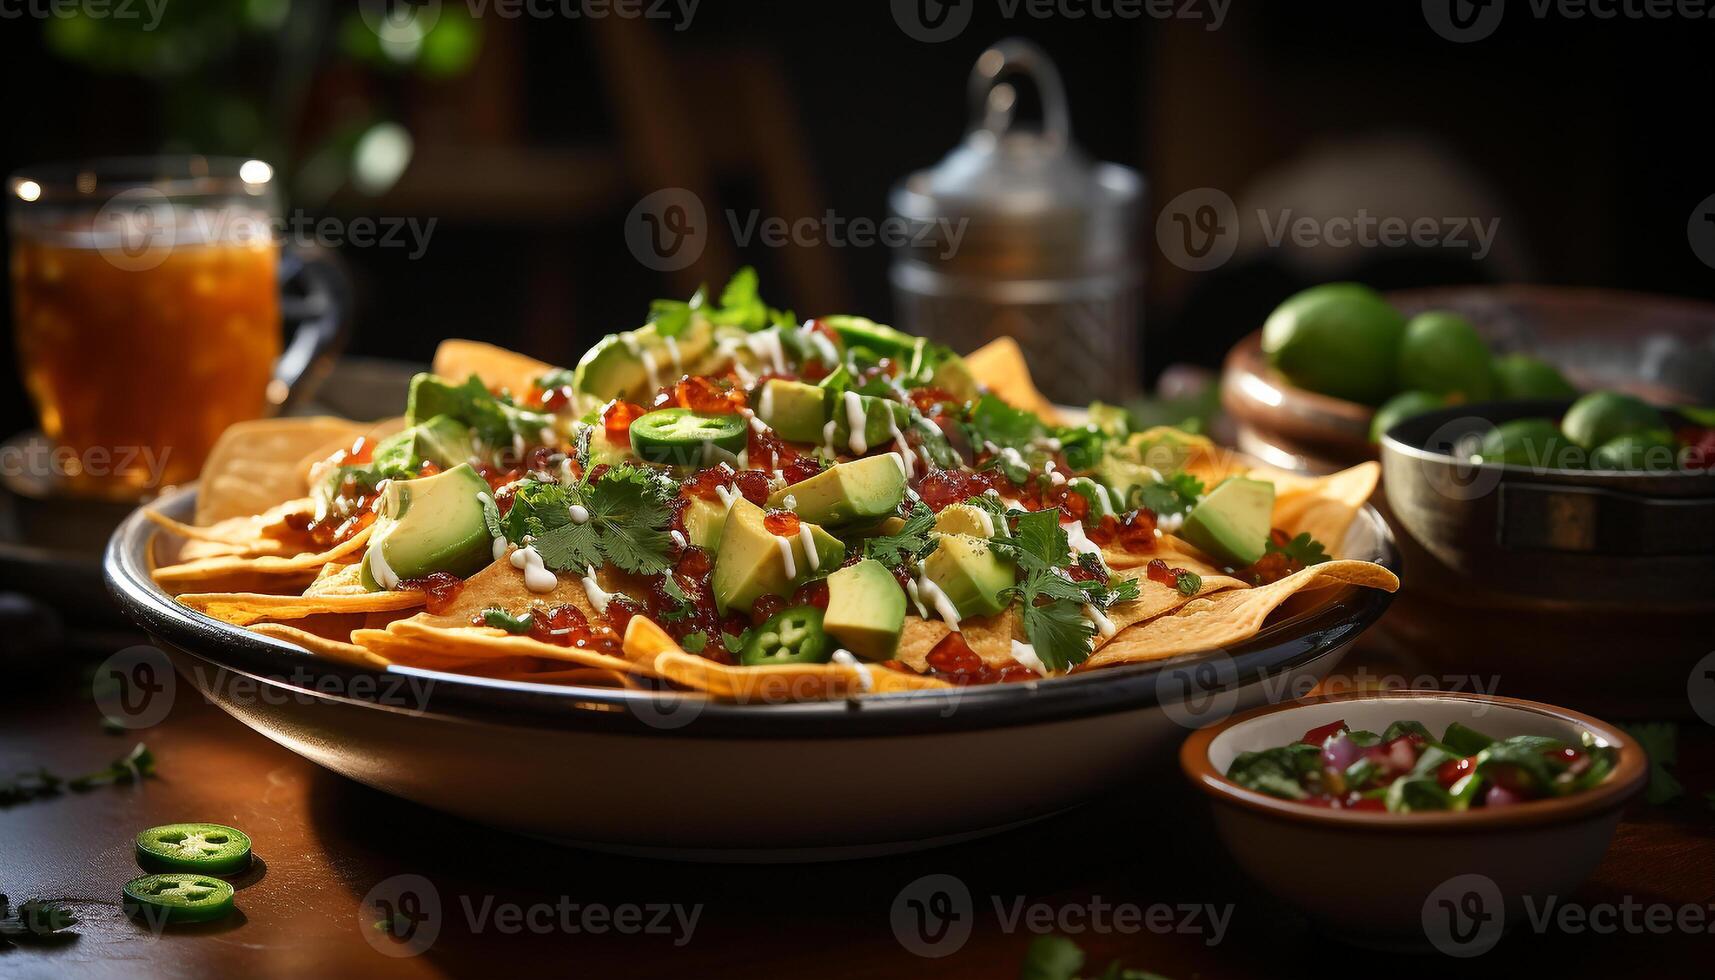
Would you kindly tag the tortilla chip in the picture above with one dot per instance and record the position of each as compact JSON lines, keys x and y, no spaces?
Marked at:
{"x":208,"y":572}
{"x":999,"y":366}
{"x":498,"y":367}
{"x":346,"y":653}
{"x":254,"y":465}
{"x":1325,"y":507}
{"x":339,"y":578}
{"x":1211,"y":622}
{"x":647,"y":644}
{"x":482,"y":642}
{"x":246,"y":608}
{"x":502,"y":586}
{"x":237,"y":530}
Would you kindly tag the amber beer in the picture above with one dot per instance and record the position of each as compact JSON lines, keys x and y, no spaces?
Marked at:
{"x":147,"y":320}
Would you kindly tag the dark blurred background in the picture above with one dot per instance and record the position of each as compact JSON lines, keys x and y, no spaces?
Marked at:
{"x":528,"y":140}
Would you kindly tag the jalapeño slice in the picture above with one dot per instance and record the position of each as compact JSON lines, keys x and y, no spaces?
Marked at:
{"x":685,"y":438}
{"x":209,"y":848}
{"x":176,"y":898}
{"x":790,"y":636}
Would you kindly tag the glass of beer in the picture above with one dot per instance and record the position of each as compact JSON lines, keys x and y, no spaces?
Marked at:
{"x":146,"y":300}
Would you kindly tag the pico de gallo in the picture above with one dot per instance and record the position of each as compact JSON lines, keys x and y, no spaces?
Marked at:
{"x":1405,"y":769}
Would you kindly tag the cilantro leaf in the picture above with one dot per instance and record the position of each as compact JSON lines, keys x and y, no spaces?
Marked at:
{"x":1303,"y":549}
{"x":682,"y":605}
{"x":670,"y":316}
{"x":537,"y":508}
{"x":1052,"y":958}
{"x":910,"y":543}
{"x":1038,"y":542}
{"x":626,"y":526}
{"x":1059,"y":632}
{"x":1177,"y":493}
{"x":995,"y":421}
{"x":491,"y":518}
{"x":694,"y":642}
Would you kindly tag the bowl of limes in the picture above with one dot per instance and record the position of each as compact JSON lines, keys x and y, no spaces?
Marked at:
{"x":1337,"y":365}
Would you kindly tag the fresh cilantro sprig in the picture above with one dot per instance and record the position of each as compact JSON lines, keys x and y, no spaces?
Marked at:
{"x":627,"y":526}
{"x":910,"y":543}
{"x":137,"y":764}
{"x":1050,"y":603}
{"x":993,"y":420}
{"x":1303,"y":549}
{"x":682,"y":606}
{"x":1177,"y":493}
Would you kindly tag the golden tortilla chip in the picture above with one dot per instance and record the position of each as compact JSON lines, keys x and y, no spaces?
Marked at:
{"x":254,"y":465}
{"x":1211,"y":622}
{"x":498,"y":367}
{"x":237,"y":530}
{"x":339,"y":578}
{"x":999,"y":366}
{"x":246,"y":608}
{"x":478,"y":642}
{"x":347,"y":653}
{"x":222,"y":569}
{"x":647,"y":644}
{"x":1325,"y":507}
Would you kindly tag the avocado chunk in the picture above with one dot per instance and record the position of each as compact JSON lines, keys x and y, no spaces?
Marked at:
{"x":703,"y":522}
{"x":866,"y":610}
{"x":954,"y":377}
{"x":633,"y":364}
{"x":966,"y":519}
{"x":442,"y":440}
{"x":1233,"y":521}
{"x":793,"y":409}
{"x":972,"y":575}
{"x":881,"y":339}
{"x":493,"y":420}
{"x":881,"y":419}
{"x":430,"y":524}
{"x":845,"y":493}
{"x":1121,"y":470}
{"x":751,"y":562}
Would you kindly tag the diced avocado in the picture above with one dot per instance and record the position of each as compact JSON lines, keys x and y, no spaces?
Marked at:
{"x":971,"y":574}
{"x":965,"y":519}
{"x":1112,"y":420}
{"x":430,"y":524}
{"x":618,"y":365}
{"x":1232,"y":522}
{"x":846,"y":493}
{"x":880,"y":338}
{"x":866,"y":610}
{"x":794,"y":410}
{"x":750,"y":561}
{"x":442,"y":440}
{"x":703,"y":522}
{"x":1101,"y":502}
{"x":881,"y":419}
{"x":1164,"y":449}
{"x":953,"y":376}
{"x":1120,"y":470}
{"x":473,"y":405}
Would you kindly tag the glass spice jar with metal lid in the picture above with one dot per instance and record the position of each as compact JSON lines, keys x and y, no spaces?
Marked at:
{"x":1017,"y":233}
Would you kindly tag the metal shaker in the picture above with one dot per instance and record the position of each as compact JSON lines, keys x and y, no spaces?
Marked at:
{"x":1017,"y":233}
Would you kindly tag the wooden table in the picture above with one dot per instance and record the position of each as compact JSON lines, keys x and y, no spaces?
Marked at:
{"x":325,"y":842}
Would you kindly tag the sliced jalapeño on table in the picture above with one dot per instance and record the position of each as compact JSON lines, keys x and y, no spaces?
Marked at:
{"x":170,"y":899}
{"x":790,"y":636}
{"x":208,"y":848}
{"x":682,"y":437}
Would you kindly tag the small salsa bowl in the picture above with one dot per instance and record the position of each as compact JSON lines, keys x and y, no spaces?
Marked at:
{"x":1392,"y":880}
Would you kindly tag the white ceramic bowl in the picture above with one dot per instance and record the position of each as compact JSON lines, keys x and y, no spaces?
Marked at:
{"x":1385,"y":879}
{"x":678,"y":775}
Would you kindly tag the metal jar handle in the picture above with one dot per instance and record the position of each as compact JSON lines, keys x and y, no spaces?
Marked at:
{"x":1016,"y":56}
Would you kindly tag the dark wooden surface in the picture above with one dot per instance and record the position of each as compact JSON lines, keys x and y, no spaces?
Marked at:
{"x":325,"y":842}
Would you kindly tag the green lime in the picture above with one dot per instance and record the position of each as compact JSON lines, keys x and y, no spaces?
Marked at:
{"x":1400,"y":407}
{"x":1602,"y":416}
{"x":175,"y":898}
{"x":1537,"y":443}
{"x":211,"y":848}
{"x":1523,"y":376}
{"x":1443,"y":355}
{"x":1654,"y":450}
{"x":1340,"y":339}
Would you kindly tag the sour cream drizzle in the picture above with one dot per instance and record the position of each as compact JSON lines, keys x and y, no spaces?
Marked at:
{"x":537,"y":578}
{"x":943,"y":606}
{"x":1104,"y":625}
{"x":812,"y":560}
{"x":1025,"y":654}
{"x":865,"y":679}
{"x":598,"y":596}
{"x":786,"y":556}
{"x":855,"y":422}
